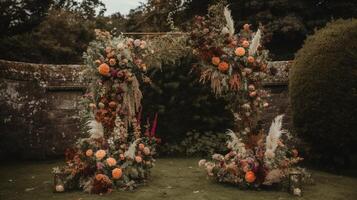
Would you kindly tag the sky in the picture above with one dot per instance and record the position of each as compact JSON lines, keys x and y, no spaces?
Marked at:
{"x":123,"y":6}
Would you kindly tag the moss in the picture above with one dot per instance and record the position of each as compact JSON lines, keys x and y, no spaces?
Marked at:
{"x":322,"y":90}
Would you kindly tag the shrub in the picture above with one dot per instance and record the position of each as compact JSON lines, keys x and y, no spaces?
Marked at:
{"x":322,"y":88}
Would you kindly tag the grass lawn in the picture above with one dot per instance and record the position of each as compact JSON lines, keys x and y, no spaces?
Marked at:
{"x":172,"y":179}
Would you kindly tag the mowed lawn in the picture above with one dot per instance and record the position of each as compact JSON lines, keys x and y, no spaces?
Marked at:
{"x":176,"y":178}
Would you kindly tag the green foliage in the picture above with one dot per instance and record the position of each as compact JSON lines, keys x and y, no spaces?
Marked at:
{"x":60,"y":38}
{"x":201,"y":144}
{"x":182,"y":103}
{"x":322,"y":88}
{"x":22,"y":15}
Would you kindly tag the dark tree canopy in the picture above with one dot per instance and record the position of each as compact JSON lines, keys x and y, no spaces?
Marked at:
{"x":21,"y":15}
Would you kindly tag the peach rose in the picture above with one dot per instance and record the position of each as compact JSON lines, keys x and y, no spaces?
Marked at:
{"x":216,"y":60}
{"x":141,"y":146}
{"x":250,"y":59}
{"x":100,"y":154}
{"x":111,"y":162}
{"x":89,"y":152}
{"x":245,"y":44}
{"x":138,"y":159}
{"x":117,"y":173}
{"x":146,"y":151}
{"x":240,"y":51}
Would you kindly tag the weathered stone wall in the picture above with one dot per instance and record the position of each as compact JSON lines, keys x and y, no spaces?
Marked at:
{"x":39,"y":106}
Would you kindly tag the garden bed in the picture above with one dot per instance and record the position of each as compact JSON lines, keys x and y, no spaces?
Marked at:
{"x":172,"y":179}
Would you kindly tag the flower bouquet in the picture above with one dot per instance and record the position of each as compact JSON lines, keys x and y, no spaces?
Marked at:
{"x":113,"y":153}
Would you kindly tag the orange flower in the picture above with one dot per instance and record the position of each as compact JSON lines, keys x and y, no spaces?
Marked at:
{"x":111,"y":162}
{"x":89,"y":152}
{"x":245,"y":44}
{"x":240,"y":51}
{"x":250,"y":59}
{"x":99,"y":177}
{"x":138,"y":159}
{"x":141,"y":146}
{"x":223,"y":66}
{"x":104,"y":69}
{"x":117,"y":173}
{"x":100,"y":154}
{"x":216,"y":60}
{"x":250,"y":177}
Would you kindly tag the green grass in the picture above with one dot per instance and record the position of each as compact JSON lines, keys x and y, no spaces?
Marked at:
{"x":171,"y":179}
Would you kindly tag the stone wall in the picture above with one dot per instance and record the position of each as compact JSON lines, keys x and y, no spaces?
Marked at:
{"x":39,"y":106}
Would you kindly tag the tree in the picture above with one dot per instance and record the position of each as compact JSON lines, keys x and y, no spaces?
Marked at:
{"x":86,"y":8}
{"x":21,"y":16}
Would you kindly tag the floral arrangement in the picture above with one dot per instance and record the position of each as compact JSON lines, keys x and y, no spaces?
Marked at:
{"x":113,"y":154}
{"x":259,"y":160}
{"x":235,"y":65}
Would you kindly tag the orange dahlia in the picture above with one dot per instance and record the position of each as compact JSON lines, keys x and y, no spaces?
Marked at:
{"x":223,"y":66}
{"x":250,"y":177}
{"x":104,"y":69}
{"x":117,"y":173}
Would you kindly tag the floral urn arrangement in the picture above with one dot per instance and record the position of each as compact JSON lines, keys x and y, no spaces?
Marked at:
{"x":113,"y":153}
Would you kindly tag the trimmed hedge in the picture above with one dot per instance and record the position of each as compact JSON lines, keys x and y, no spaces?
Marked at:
{"x":323,"y":95}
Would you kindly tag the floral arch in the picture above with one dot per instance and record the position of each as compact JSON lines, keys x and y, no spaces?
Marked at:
{"x":116,"y":153}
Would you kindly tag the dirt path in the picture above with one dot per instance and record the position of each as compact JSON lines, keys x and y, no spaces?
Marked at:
{"x":172,"y":179}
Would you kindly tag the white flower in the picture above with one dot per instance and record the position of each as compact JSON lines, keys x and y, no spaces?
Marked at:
{"x":137,"y":42}
{"x":297,"y":191}
{"x":269,"y":154}
{"x":218,"y":157}
{"x":225,"y":31}
{"x":59,"y":188}
{"x":202,"y":162}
